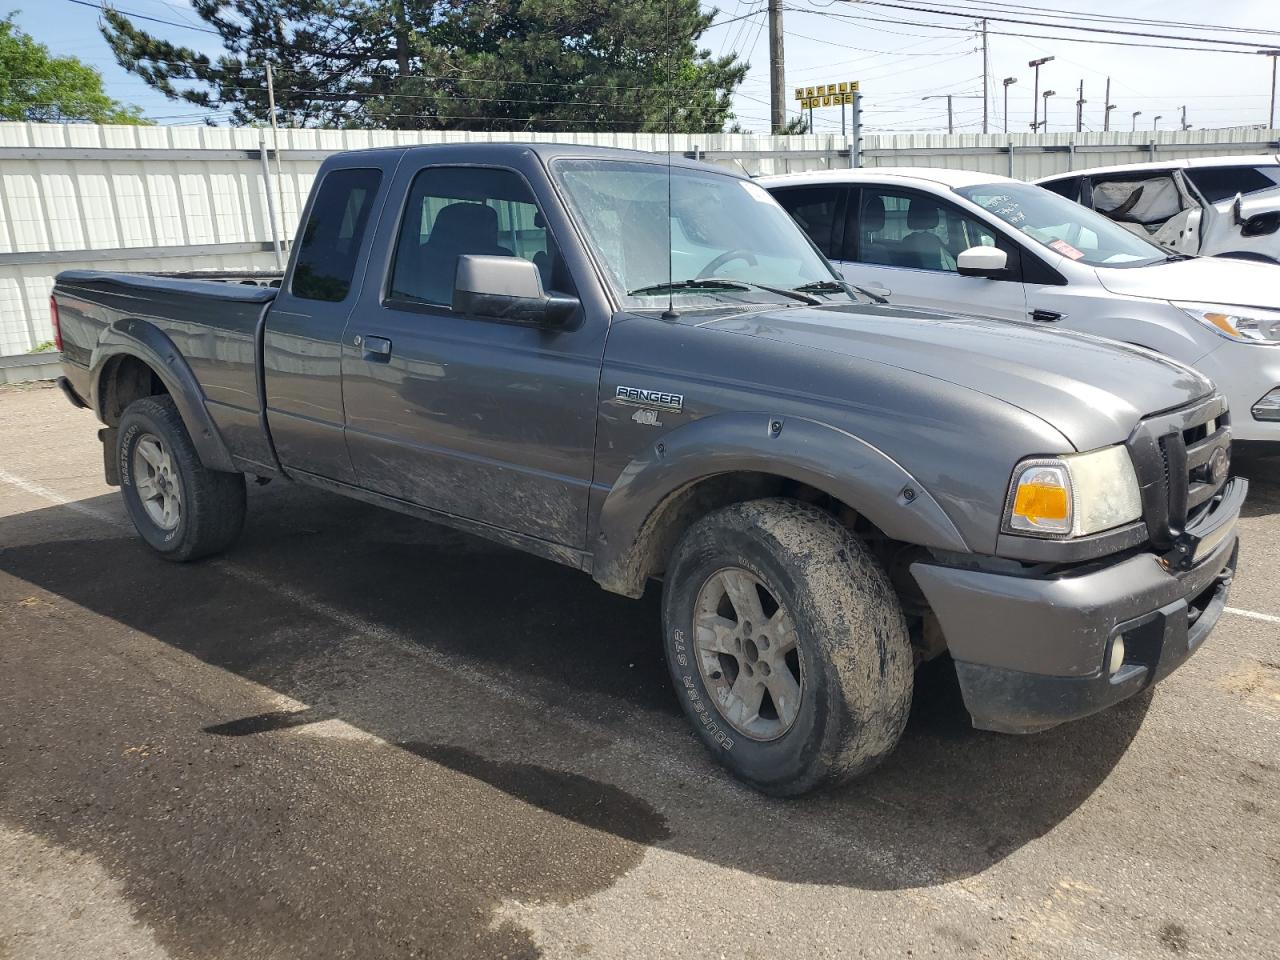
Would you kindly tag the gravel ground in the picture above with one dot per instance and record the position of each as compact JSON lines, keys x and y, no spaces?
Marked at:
{"x":360,"y":735}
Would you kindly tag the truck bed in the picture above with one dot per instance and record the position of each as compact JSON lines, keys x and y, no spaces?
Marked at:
{"x":212,"y":324}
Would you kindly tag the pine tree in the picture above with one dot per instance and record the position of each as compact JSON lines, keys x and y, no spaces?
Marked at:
{"x":569,"y":65}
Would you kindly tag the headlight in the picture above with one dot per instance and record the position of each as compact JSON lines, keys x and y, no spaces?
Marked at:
{"x":1250,"y":324}
{"x":1073,"y":495}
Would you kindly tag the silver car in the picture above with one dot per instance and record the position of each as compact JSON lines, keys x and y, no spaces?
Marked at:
{"x":1212,"y":206}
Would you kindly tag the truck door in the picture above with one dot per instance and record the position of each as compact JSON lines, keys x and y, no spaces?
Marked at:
{"x":903,"y":244}
{"x":303,"y":340}
{"x":480,"y":419}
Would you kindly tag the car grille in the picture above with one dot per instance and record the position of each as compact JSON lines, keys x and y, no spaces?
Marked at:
{"x":1173,"y":454}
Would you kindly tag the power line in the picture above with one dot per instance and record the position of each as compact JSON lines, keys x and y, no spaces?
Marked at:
{"x":142,"y":16}
{"x":968,"y":12}
{"x":1009,"y":33}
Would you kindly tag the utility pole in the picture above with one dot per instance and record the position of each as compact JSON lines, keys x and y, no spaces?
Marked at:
{"x":275,"y":148}
{"x":1007,"y":81}
{"x":1185,"y":125}
{"x":1136,"y":115}
{"x":777,"y":70}
{"x":986,"y":94}
{"x":1108,"y":106}
{"x":1080,"y":102}
{"x":1046,"y":95}
{"x":1273,"y":54}
{"x":1035,"y":94}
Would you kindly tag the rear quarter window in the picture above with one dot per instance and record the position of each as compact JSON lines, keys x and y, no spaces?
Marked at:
{"x":1222,"y":183}
{"x":333,"y":235}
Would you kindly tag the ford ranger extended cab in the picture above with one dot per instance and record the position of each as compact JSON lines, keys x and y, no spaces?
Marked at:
{"x":645,"y":370}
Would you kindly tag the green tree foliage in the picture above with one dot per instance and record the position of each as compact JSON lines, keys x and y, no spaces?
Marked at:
{"x":447,"y":64}
{"x":37,"y":86}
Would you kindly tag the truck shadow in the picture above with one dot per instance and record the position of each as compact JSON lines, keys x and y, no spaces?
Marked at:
{"x":948,"y":804}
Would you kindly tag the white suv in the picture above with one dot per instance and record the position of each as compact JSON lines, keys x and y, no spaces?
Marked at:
{"x":954,"y":240}
{"x":1214,"y":206}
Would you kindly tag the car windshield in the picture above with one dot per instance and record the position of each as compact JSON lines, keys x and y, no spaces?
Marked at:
{"x":1064,"y":227}
{"x":722,"y":230}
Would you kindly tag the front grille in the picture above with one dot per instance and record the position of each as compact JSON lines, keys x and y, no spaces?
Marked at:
{"x":1173,"y":454}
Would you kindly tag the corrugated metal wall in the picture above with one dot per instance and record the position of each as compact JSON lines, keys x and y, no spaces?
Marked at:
{"x":194,"y":198}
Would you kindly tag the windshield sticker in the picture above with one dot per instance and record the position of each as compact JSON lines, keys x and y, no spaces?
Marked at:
{"x":1066,"y":249}
{"x":1004,"y":207}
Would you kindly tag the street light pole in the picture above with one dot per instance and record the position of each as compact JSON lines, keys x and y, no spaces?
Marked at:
{"x":1045,"y":96}
{"x":938,"y":96}
{"x":1156,"y":119}
{"x":1008,"y":81}
{"x":1273,"y":54}
{"x":1136,"y":115}
{"x":1035,"y":94}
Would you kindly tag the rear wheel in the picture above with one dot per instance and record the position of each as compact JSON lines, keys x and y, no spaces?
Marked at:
{"x":787,"y":645}
{"x":181,"y":508}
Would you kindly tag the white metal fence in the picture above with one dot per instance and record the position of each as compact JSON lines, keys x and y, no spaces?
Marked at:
{"x":183,"y":198}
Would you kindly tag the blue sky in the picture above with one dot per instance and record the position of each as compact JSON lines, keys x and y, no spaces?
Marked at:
{"x":898,"y":63}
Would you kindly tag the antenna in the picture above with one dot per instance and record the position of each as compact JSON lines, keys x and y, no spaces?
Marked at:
{"x":670,"y":312}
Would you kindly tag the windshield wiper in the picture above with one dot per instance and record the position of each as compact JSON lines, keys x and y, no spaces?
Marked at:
{"x":720,"y":283}
{"x":842,"y":286}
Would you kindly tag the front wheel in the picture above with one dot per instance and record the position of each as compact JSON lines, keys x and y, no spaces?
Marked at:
{"x":787,"y":646}
{"x":181,"y":508}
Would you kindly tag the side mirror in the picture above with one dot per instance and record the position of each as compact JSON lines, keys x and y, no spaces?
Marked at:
{"x":1261,"y":224}
{"x":507,"y":289}
{"x":986,"y":262}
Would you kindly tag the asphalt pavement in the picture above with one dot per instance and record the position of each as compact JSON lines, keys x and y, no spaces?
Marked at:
{"x":360,"y":735}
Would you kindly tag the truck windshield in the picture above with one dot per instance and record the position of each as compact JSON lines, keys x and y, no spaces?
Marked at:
{"x":722,"y":229}
{"x":1064,"y":227}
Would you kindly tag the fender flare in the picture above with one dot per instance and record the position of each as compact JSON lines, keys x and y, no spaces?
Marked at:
{"x":146,"y":342}
{"x":824,"y":457}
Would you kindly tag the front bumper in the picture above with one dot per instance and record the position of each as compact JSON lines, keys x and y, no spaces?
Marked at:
{"x":1032,"y":653}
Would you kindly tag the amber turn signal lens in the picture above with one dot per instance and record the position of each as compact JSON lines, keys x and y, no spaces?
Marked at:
{"x":1038,"y":502}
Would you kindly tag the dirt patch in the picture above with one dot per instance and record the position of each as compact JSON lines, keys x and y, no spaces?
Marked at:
{"x":1259,"y":681}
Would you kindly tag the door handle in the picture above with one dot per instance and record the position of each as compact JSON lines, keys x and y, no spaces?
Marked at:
{"x":1045,"y":316}
{"x":377,"y":349}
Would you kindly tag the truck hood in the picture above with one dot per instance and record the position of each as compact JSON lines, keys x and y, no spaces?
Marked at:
{"x":1093,"y":391}
{"x":1200,"y":279}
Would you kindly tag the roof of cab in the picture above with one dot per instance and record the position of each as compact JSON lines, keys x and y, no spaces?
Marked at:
{"x":507,"y":150}
{"x":1243,"y":160}
{"x":917,"y":175}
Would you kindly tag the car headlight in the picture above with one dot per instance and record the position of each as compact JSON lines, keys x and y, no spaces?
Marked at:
{"x":1073,"y":495}
{"x":1249,"y":324}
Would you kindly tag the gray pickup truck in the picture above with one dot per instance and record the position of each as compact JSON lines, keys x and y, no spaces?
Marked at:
{"x":645,"y":370}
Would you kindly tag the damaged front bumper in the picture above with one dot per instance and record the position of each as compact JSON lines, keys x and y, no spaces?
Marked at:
{"x":1032,"y":653}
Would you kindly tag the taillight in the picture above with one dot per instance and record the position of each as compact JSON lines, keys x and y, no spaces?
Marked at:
{"x":57,"y":327}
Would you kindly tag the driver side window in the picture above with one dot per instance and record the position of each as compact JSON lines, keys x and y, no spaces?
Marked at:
{"x":902,"y":228}
{"x":452,"y":211}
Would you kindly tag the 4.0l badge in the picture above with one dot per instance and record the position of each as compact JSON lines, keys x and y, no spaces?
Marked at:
{"x":650,"y":398}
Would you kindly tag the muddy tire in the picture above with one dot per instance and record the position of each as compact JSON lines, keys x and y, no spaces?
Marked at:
{"x":181,"y":508}
{"x":787,"y":646}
